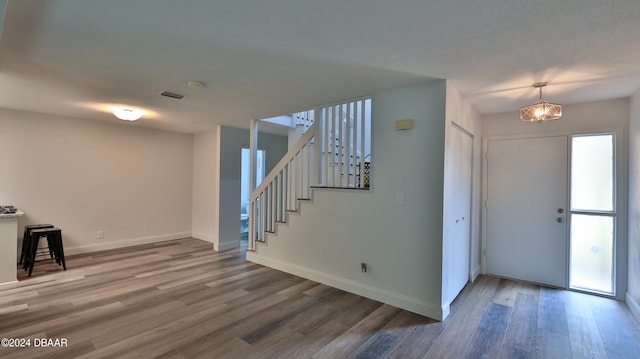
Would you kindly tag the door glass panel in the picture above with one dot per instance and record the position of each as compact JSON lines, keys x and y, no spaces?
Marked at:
{"x":592,"y":172}
{"x":593,"y":213}
{"x":245,"y":191}
{"x":592,"y":253}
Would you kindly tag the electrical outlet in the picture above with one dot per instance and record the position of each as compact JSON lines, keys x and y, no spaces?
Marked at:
{"x":100,"y":234}
{"x":364,"y":269}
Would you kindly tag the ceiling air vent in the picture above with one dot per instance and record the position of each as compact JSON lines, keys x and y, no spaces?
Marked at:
{"x":172,"y":95}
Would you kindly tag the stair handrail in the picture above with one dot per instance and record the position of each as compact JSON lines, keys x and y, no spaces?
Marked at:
{"x":312,"y":131}
{"x":268,"y":184}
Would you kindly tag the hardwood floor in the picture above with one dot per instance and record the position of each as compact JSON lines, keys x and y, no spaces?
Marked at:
{"x":180,"y":299}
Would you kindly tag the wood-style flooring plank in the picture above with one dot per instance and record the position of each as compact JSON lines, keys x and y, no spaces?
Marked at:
{"x":379,"y":345}
{"x":421,"y":337}
{"x":350,"y":340}
{"x":616,"y":334}
{"x":552,"y":315}
{"x":520,"y":338}
{"x":181,"y":299}
{"x":584,"y":337}
{"x":454,"y":338}
{"x":487,"y":340}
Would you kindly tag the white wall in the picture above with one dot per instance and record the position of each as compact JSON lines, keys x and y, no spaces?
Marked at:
{"x":204,"y":223}
{"x":85,"y":176}
{"x":583,"y":118}
{"x":460,"y":113}
{"x":400,"y":243}
{"x":633,"y":290}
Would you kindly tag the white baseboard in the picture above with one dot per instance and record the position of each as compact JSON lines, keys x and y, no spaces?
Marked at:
{"x":633,"y":305}
{"x":475,"y":273}
{"x":97,"y":247}
{"x":218,"y":247}
{"x":395,"y":299}
{"x":225,"y":245}
{"x":11,"y":282}
{"x":202,"y":237}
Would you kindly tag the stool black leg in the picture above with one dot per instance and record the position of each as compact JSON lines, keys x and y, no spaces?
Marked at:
{"x":35,"y":238}
{"x":56,"y":247}
{"x":50,"y":246}
{"x":27,"y":252}
{"x":23,"y":250}
{"x":60,"y":249}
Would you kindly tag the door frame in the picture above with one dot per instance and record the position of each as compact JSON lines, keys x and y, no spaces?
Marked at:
{"x":621,"y":197}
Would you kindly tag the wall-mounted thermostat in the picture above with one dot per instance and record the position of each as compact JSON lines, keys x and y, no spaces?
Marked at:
{"x":405,"y":124}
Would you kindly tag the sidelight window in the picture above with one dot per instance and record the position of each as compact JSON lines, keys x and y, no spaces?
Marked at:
{"x":593,"y":213}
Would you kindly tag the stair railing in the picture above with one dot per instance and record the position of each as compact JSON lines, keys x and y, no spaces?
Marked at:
{"x":282,"y":189}
{"x":327,"y":155}
{"x":344,"y":133}
{"x":303,"y":119}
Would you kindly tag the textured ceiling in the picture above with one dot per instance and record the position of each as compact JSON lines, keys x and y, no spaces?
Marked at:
{"x":265,"y":58}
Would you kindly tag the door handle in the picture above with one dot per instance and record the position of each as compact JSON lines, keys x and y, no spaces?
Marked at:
{"x":560,"y":219}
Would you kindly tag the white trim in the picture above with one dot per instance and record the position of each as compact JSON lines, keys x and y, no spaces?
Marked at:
{"x":12,"y":282}
{"x":89,"y":248}
{"x":219,"y":247}
{"x":475,"y":273}
{"x":202,"y":237}
{"x":633,"y":305}
{"x":395,"y":299}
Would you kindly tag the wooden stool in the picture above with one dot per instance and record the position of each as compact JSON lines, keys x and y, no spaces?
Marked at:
{"x":54,"y":238}
{"x":27,"y":235}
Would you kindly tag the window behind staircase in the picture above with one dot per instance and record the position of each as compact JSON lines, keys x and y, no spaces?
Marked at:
{"x":333,"y":151}
{"x":344,"y":135}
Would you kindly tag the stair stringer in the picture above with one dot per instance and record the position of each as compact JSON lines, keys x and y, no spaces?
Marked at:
{"x":288,"y":214}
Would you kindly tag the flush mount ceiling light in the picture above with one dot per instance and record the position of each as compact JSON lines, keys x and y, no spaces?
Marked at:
{"x":541,"y":111}
{"x":127,"y":114}
{"x":194,"y":83}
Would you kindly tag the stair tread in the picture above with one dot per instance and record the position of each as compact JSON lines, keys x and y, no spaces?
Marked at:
{"x":337,"y":187}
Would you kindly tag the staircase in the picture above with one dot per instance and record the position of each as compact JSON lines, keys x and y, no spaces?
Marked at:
{"x":329,"y":154}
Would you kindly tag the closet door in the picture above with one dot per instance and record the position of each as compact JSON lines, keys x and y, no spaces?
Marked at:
{"x":457,"y":219}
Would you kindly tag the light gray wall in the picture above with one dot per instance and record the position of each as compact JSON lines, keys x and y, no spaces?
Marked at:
{"x":205,"y":186}
{"x":633,"y":290}
{"x":231,"y":142}
{"x":401,"y":243}
{"x":583,"y":118}
{"x":86,"y":176}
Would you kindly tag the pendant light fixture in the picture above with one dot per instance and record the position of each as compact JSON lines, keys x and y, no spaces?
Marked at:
{"x":541,"y":111}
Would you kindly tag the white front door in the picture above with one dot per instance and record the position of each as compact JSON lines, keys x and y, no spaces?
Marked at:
{"x":526,"y":209}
